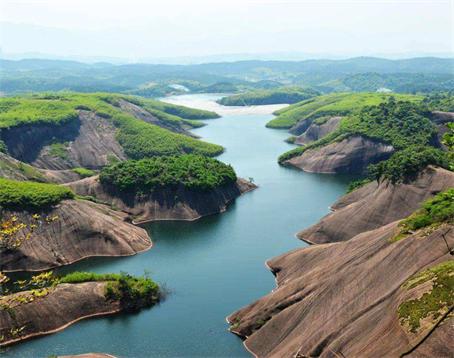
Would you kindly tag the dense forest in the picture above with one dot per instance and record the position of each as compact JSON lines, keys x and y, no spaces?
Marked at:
{"x":189,"y":171}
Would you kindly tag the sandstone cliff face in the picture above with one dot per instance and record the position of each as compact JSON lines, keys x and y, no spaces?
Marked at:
{"x":88,"y":142}
{"x":165,"y":204}
{"x":82,"y":229}
{"x":64,"y":305}
{"x":94,"y":145}
{"x":441,"y":120}
{"x":374,"y":205}
{"x":317,"y":131}
{"x":350,"y":155}
{"x":341,"y":299}
{"x":14,"y":169}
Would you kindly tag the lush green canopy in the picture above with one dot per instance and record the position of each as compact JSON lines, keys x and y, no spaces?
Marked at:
{"x":190,"y":171}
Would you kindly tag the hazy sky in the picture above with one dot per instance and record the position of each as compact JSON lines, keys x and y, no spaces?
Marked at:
{"x":138,"y":29}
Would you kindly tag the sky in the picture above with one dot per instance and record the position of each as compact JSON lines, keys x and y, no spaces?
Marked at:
{"x":138,"y":30}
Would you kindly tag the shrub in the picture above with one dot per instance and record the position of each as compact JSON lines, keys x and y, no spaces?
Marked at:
{"x":436,"y":210}
{"x":405,"y":165}
{"x":84,"y":172}
{"x":356,"y":184}
{"x":132,"y":292}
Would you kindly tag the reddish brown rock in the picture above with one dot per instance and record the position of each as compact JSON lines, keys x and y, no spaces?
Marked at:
{"x":82,"y":229}
{"x":166,"y":204}
{"x":63,"y":306}
{"x":318,"y":131}
{"x":341,"y":299}
{"x":348,"y":156}
{"x":375,"y":205}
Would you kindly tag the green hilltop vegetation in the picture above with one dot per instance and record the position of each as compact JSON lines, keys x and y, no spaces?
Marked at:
{"x":189,"y":171}
{"x":138,"y":138}
{"x":440,"y":101}
{"x":334,"y":104}
{"x":30,"y":195}
{"x":269,"y":96}
{"x":133,"y":292}
{"x":404,"y":125}
{"x":398,"y":123}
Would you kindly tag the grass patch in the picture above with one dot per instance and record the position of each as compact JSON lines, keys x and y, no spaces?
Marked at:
{"x":434,"y":211}
{"x":29,"y":195}
{"x":356,"y":184}
{"x":84,"y":172}
{"x":132,"y":292}
{"x":59,"y":150}
{"x":190,"y":171}
{"x":432,"y":304}
{"x":24,"y":111}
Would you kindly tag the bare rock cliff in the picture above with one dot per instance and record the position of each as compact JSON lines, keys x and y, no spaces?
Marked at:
{"x":81,"y":229}
{"x":342,"y":299}
{"x":318,"y":131}
{"x":166,"y":204}
{"x":375,"y":205}
{"x":350,"y":155}
{"x":64,"y":305}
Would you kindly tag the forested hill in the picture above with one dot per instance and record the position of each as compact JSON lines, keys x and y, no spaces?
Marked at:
{"x":408,"y":75}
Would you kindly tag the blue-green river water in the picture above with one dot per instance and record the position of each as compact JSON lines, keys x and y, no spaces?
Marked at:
{"x":213,"y":266}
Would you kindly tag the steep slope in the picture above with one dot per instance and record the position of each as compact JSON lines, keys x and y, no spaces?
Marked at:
{"x":348,"y":156}
{"x":318,"y":129}
{"x":375,"y":205}
{"x":165,"y":204}
{"x":342,"y":299}
{"x":81,"y":229}
{"x":93,"y":147}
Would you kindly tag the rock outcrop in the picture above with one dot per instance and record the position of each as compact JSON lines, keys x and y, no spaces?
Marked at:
{"x":317,"y":131}
{"x":81,"y":229}
{"x":14,"y":169}
{"x":93,"y":147}
{"x":89,"y":142}
{"x":62,"y":306}
{"x":350,"y":155}
{"x":342,"y":299}
{"x":165,"y":204}
{"x":441,"y":120}
{"x":375,"y":205}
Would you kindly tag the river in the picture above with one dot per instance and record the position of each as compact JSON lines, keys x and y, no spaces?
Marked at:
{"x":213,"y":266}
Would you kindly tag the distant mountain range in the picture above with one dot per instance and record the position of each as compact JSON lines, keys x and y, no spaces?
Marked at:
{"x":422,"y":74}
